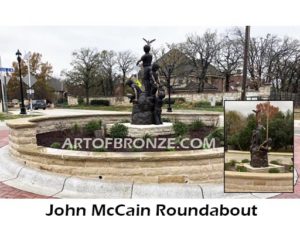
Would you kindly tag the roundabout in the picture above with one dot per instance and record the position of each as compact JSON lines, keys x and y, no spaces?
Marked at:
{"x":22,"y":179}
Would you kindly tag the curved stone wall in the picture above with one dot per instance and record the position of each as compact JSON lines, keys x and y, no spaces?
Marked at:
{"x":258,"y":182}
{"x":154,"y":167}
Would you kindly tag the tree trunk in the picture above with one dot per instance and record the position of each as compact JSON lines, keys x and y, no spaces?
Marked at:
{"x":87,"y":96}
{"x":227,"y":78}
{"x":201,"y":81}
{"x":200,"y":85}
{"x":111,"y":84}
{"x":124,"y":79}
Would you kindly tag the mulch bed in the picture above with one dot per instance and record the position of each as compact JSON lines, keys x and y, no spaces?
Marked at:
{"x":47,"y":139}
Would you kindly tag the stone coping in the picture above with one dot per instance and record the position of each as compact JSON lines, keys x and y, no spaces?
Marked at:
{"x":31,"y":121}
{"x":127,"y":156}
{"x":270,"y":153}
{"x":259,"y":176}
{"x":57,"y":185}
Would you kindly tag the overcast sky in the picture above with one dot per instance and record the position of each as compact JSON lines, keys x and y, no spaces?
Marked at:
{"x":246,"y":107}
{"x":56,"y":43}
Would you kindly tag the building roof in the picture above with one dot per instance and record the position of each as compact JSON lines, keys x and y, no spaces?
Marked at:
{"x":56,"y":84}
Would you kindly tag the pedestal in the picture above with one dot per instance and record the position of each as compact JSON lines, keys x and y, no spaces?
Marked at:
{"x":262,"y":169}
{"x":141,"y":130}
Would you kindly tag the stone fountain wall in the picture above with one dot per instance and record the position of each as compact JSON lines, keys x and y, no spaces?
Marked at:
{"x":200,"y":166}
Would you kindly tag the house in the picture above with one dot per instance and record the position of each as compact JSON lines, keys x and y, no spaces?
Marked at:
{"x":184,"y":76}
{"x":58,"y":88}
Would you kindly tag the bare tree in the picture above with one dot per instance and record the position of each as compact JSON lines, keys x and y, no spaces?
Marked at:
{"x":85,"y":71}
{"x":229,"y":57}
{"x":202,"y":51}
{"x":108,"y":65}
{"x":126,"y":61}
{"x":273,"y":60}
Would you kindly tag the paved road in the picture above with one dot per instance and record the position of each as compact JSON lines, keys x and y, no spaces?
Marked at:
{"x":62,"y":112}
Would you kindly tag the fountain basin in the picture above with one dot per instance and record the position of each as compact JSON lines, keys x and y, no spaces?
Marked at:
{"x":194,"y":166}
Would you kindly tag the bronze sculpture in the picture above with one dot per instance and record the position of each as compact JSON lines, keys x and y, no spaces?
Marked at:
{"x":147,"y":105}
{"x":259,"y":149}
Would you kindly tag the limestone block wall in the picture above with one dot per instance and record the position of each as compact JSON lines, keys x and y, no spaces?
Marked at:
{"x":22,"y":135}
{"x":22,"y":132}
{"x":149,"y":167}
{"x":47,"y":124}
{"x":209,"y":119}
{"x":282,"y":157}
{"x":154,"y":167}
{"x":258,"y":182}
{"x":189,"y":97}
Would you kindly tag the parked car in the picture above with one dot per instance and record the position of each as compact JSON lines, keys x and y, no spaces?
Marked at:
{"x":38,"y":104}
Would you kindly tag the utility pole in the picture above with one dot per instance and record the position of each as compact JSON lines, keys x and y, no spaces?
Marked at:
{"x":246,"y":51}
{"x":268,"y":114}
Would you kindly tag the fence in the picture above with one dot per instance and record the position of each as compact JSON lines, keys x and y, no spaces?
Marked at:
{"x":285,"y":96}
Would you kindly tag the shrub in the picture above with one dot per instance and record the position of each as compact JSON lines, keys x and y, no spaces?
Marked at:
{"x":241,"y":169}
{"x":75,"y":129}
{"x":275,"y":162}
{"x":180,"y":128}
{"x":61,"y":101}
{"x":218,"y":134}
{"x":233,"y":140}
{"x":245,"y":161}
{"x":100,"y":102}
{"x":291,"y":168}
{"x":165,"y":120}
{"x":80,"y":100}
{"x":72,"y":147}
{"x":232,"y":162}
{"x":55,"y":145}
{"x":219,"y":103}
{"x":147,"y":136}
{"x":179,"y":100}
{"x":118,"y":130}
{"x":203,"y":104}
{"x":227,"y":166}
{"x":166,"y":101}
{"x":92,"y":126}
{"x":274,"y":170}
{"x":196,"y":125}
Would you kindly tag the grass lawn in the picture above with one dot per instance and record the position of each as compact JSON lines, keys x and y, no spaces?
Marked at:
{"x":8,"y":116}
{"x":191,"y":107}
{"x":92,"y":107}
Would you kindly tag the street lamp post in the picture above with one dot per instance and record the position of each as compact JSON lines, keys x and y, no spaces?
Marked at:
{"x":23,"y":109}
{"x":27,"y":57}
{"x":169,"y":109}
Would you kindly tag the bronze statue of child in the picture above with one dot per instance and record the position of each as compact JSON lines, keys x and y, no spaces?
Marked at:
{"x":154,"y":79}
{"x":136,"y":90}
{"x":147,"y":60}
{"x":160,"y":95}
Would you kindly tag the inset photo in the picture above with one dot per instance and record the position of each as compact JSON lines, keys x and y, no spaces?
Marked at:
{"x":259,"y":143}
